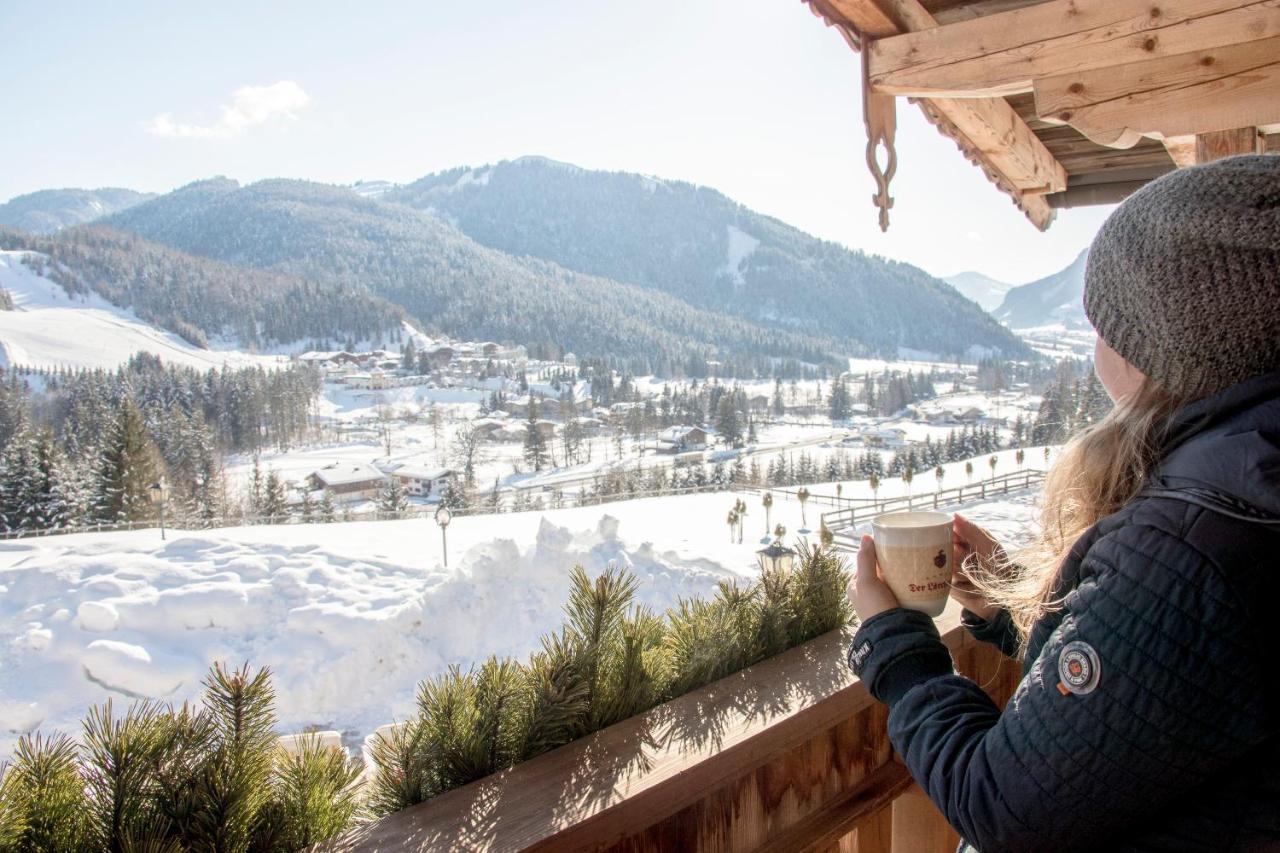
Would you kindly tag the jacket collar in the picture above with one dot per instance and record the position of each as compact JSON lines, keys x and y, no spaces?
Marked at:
{"x":1228,"y":445}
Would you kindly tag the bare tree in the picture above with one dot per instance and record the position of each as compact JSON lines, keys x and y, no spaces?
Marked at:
{"x":436,"y":420}
{"x":385,"y":415}
{"x":466,"y":451}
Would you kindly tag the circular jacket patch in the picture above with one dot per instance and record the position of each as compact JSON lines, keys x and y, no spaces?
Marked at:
{"x":1079,"y":668}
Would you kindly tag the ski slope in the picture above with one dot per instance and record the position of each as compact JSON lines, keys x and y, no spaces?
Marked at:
{"x":50,"y":329}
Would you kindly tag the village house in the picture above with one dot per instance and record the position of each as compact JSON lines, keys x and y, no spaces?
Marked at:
{"x":376,"y":379}
{"x":889,"y":438}
{"x":682,"y":439}
{"x":422,"y":482}
{"x":488,"y":429}
{"x":348,"y":481}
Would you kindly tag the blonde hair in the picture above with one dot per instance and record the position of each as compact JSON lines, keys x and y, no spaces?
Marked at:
{"x":1097,"y":472}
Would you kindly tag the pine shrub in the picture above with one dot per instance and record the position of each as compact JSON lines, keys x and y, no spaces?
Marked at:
{"x":42,"y":797}
{"x":214,"y":779}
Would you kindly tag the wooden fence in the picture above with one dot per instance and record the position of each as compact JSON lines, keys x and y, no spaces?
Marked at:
{"x":788,"y":755}
{"x":854,"y":511}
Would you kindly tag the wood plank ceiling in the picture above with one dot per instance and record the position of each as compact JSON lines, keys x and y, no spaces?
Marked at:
{"x":1140,"y":77}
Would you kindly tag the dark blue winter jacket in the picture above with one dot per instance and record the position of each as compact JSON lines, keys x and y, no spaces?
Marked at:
{"x":1146,"y":718}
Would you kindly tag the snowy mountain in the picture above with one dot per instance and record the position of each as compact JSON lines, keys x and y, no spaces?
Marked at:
{"x":982,"y":289}
{"x":49,"y":328}
{"x":207,"y":304}
{"x":702,"y":247}
{"x":1058,"y":298}
{"x":47,"y":211}
{"x":449,"y":283}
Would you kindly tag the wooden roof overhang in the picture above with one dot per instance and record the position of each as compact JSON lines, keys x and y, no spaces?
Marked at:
{"x":1068,"y":102}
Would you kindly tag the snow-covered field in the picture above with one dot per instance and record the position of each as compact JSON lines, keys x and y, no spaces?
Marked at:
{"x":47,"y":328}
{"x":350,"y":617}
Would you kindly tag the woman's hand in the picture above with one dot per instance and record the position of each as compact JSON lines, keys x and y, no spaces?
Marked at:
{"x":973,"y":544}
{"x":867,"y":591}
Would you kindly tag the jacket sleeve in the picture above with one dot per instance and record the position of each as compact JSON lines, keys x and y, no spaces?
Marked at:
{"x":1178,"y":697}
{"x":998,"y":630}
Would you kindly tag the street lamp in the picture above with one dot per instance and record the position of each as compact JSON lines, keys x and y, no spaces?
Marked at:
{"x":777,"y":557}
{"x":158,"y":493}
{"x":443,"y":517}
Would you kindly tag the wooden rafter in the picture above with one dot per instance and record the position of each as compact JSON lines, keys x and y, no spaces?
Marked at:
{"x":1004,"y":53}
{"x":1168,"y":98}
{"x":989,"y":133}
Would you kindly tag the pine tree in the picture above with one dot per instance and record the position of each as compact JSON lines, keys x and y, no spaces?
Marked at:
{"x":841,"y":404}
{"x":327,"y":511}
{"x":392,"y":497}
{"x":535,"y":444}
{"x":273,"y":497}
{"x":129,"y":465}
{"x":728,"y":423}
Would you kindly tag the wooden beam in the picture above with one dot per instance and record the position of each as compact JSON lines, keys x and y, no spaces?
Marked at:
{"x":1227,"y":143}
{"x":940,"y":112}
{"x":1182,"y":149}
{"x":1177,"y":96}
{"x":1005,"y":141}
{"x":990,"y":133}
{"x":1091,"y":194}
{"x":1003,"y":54}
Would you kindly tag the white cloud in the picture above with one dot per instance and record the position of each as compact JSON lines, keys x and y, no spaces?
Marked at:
{"x":250,"y":106}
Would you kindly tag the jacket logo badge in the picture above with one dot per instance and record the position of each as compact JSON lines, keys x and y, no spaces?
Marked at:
{"x":1078,"y":668}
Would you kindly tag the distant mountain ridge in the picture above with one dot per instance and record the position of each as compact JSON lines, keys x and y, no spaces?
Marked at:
{"x":700,"y":246}
{"x":47,"y":211}
{"x":446,"y":281}
{"x":1057,"y":298}
{"x":982,"y":289}
{"x":663,"y":275}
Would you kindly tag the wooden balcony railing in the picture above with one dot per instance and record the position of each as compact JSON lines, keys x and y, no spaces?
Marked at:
{"x":788,"y":755}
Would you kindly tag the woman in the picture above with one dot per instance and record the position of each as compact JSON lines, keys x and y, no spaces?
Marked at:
{"x":1146,"y":718}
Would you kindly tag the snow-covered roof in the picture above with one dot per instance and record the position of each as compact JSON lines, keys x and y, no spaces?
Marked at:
{"x":415,"y":472}
{"x":346,"y":473}
{"x":676,"y":433}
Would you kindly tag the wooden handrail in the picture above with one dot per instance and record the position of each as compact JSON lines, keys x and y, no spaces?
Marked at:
{"x":865,"y":509}
{"x":789,"y":754}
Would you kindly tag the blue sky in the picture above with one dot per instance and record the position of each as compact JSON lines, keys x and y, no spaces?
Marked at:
{"x":756,"y":98}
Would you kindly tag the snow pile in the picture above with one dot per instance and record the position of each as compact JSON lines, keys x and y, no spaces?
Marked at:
{"x":350,"y":617}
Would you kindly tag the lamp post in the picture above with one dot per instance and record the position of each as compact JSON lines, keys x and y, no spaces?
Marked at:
{"x":768,"y":504}
{"x":158,"y":493}
{"x":777,"y":557}
{"x":443,"y":517}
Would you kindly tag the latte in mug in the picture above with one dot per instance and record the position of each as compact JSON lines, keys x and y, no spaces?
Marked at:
{"x":914,"y":551}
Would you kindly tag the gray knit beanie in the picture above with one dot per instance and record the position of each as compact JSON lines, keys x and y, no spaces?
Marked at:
{"x":1183,"y":279}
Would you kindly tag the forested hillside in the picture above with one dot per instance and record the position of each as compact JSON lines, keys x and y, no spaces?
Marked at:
{"x":708,"y":250}
{"x":47,"y":211}
{"x":452,"y":284}
{"x":199,"y":299}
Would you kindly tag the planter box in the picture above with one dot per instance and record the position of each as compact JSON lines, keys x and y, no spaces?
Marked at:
{"x":790,"y":754}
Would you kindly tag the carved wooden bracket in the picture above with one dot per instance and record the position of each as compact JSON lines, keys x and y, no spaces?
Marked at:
{"x":881,"y":119}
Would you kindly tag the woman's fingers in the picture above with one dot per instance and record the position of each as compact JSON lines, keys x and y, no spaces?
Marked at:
{"x":870,"y":594}
{"x":867,"y":560}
